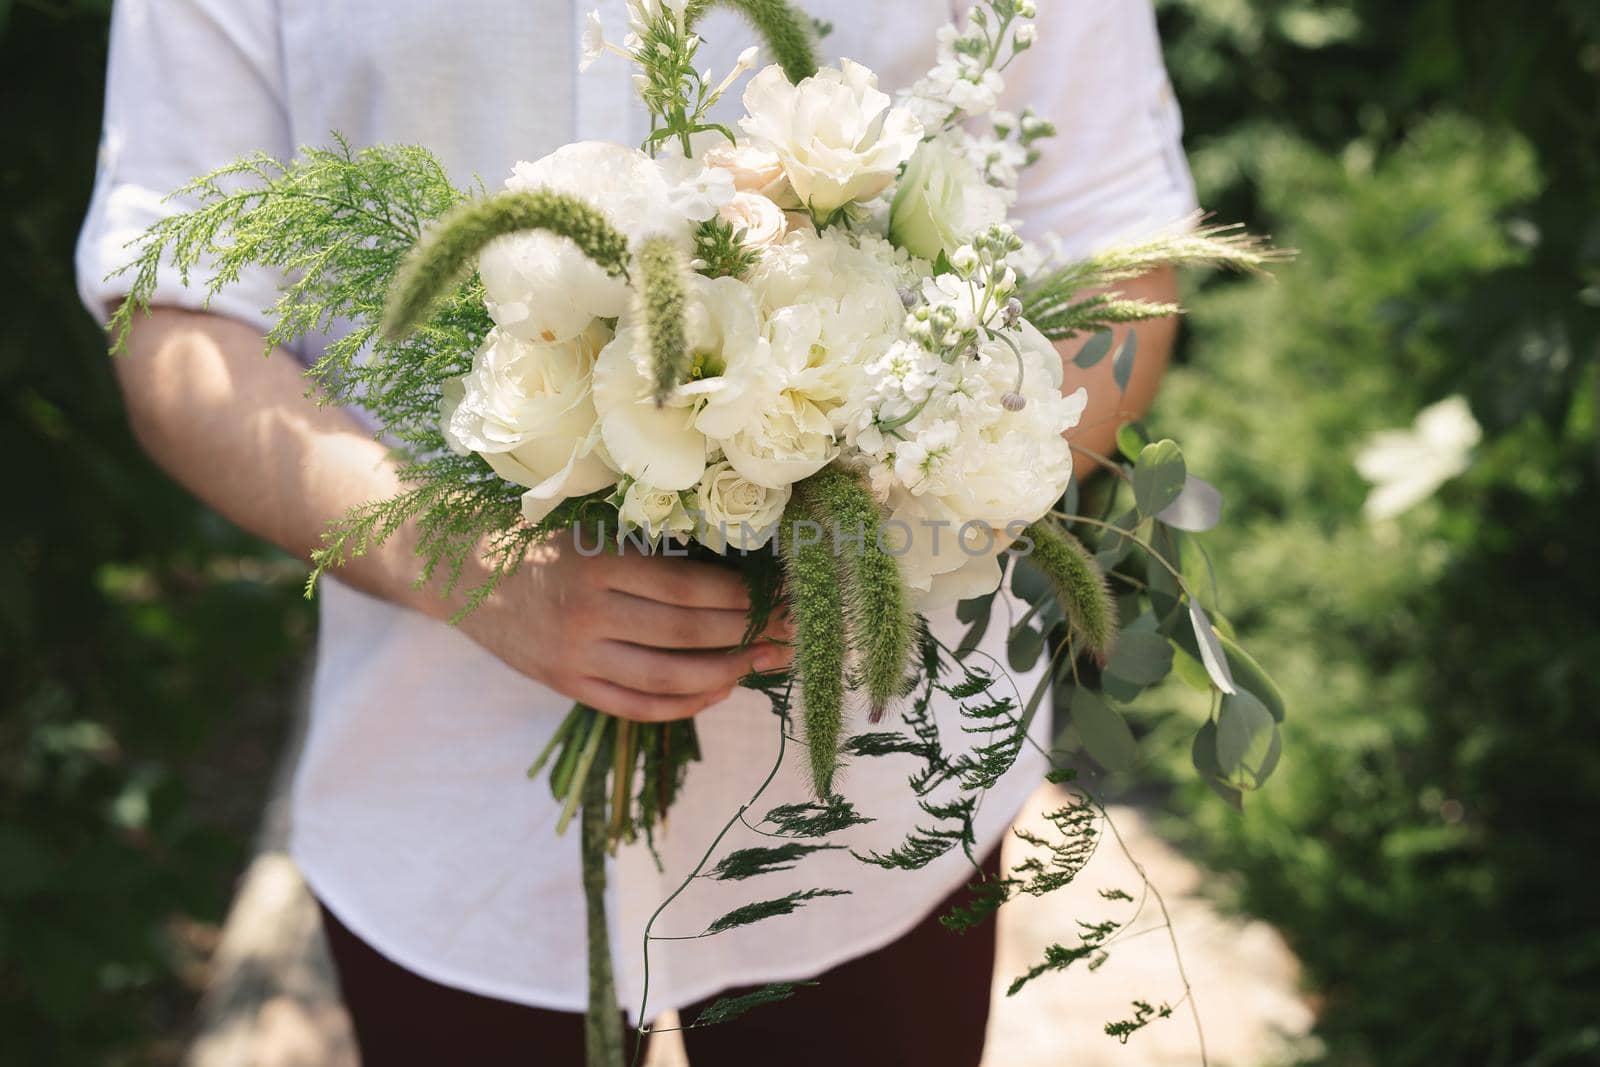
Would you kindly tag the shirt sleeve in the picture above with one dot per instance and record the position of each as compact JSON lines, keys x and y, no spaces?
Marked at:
{"x":190,"y":86}
{"x":1115,"y":169}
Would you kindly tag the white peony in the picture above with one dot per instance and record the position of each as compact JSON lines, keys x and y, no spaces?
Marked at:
{"x":655,"y":511}
{"x":541,"y":287}
{"x":667,"y":446}
{"x":839,"y":138}
{"x":759,"y":221}
{"x":526,"y":408}
{"x":734,"y":512}
{"x":941,"y":200}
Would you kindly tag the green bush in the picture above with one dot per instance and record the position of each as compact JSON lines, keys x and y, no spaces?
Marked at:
{"x":1426,"y":842}
{"x":141,"y":639}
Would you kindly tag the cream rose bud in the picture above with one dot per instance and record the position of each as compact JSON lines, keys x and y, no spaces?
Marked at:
{"x":839,"y":138}
{"x":753,"y":169}
{"x":527,"y":409}
{"x":941,"y":200}
{"x":655,"y":511}
{"x":734,"y":512}
{"x":763,"y":222}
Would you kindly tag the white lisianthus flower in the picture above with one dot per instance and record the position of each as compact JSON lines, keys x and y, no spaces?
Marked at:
{"x":541,"y":287}
{"x":655,"y":511}
{"x":667,"y":446}
{"x":839,"y":138}
{"x":941,"y":200}
{"x":761,"y":222}
{"x":735,"y":512}
{"x":526,"y":408}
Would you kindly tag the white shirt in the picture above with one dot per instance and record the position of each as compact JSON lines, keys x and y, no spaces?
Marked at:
{"x":413,"y":819}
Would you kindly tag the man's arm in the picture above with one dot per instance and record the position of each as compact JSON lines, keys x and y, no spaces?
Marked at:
{"x":642,"y":637}
{"x":1096,"y":432}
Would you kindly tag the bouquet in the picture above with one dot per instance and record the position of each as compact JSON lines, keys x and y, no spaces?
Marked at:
{"x":812,"y":345}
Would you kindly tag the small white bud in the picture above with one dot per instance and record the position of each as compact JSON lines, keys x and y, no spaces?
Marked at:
{"x":1013,"y":401}
{"x":1027,"y":9}
{"x":1025,"y":36}
{"x":965,"y":259}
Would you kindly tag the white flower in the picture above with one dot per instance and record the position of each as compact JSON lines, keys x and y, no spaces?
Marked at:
{"x":754,"y":170}
{"x":761,"y":222}
{"x":1026,"y":36}
{"x":697,"y":190}
{"x":734,"y":511}
{"x":941,"y":200}
{"x":655,"y":511}
{"x":594,"y":40}
{"x":541,"y":287}
{"x":1406,"y":466}
{"x":667,"y":446}
{"x":526,"y":408}
{"x":838,"y":137}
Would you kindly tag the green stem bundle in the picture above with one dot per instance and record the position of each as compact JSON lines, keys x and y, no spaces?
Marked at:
{"x":602,"y":1023}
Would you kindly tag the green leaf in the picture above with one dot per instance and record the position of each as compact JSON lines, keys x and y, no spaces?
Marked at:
{"x":1122,"y":363}
{"x":1158,"y":476}
{"x":1245,"y":730}
{"x":723,"y":1009}
{"x":1029,"y":582}
{"x":1211,"y":653}
{"x":971,"y":610}
{"x":1104,"y":732}
{"x":1024,"y":647}
{"x":1190,"y":671}
{"x":1094,"y":350}
{"x":1113,"y":548}
{"x":1140,"y":656}
{"x":1131,"y":439}
{"x":1197,"y":508}
{"x":1249,"y":674}
{"x":1203,"y":752}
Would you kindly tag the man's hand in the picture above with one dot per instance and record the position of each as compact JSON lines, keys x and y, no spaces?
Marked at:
{"x":643,"y":637}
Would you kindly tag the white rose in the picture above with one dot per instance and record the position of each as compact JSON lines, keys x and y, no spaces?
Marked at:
{"x":839,"y":138}
{"x":753,"y":169}
{"x":526,"y":408}
{"x":667,"y":446}
{"x":655,"y":511}
{"x":735,"y":512}
{"x":541,"y":287}
{"x":763,"y":223}
{"x":941,"y":200}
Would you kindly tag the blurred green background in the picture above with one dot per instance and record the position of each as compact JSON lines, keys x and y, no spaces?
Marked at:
{"x":1426,"y":847}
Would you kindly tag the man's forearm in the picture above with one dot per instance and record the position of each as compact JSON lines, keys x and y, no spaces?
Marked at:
{"x":238,"y":430}
{"x":1109,"y":408}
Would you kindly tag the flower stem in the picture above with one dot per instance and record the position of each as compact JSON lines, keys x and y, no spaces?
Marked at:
{"x":602,"y":1023}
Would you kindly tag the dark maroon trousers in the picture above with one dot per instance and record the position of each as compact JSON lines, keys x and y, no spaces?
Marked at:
{"x":921,"y":1001}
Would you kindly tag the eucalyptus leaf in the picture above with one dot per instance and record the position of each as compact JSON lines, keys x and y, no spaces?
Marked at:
{"x":1094,"y":350}
{"x":1140,"y":656}
{"x":1158,"y":476}
{"x":1190,"y":671}
{"x":1104,"y":732}
{"x":1245,"y":729}
{"x":1024,"y":647}
{"x":1269,"y":762}
{"x":1249,"y":674}
{"x":1198,"y":507}
{"x":1203,"y":752}
{"x":1120,"y":689}
{"x":973,"y":636}
{"x":1113,"y":547}
{"x":1211,"y":652}
{"x":1029,"y":582}
{"x":1131,"y":439}
{"x":971,"y":610}
{"x":1122,"y":362}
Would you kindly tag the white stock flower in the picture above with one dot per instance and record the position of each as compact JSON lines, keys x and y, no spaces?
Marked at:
{"x":761,"y":222}
{"x":541,"y":287}
{"x":667,"y":446}
{"x":655,"y":511}
{"x":526,"y":408}
{"x":1405,"y":467}
{"x":735,"y":512}
{"x":839,"y":137}
{"x":941,"y":200}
